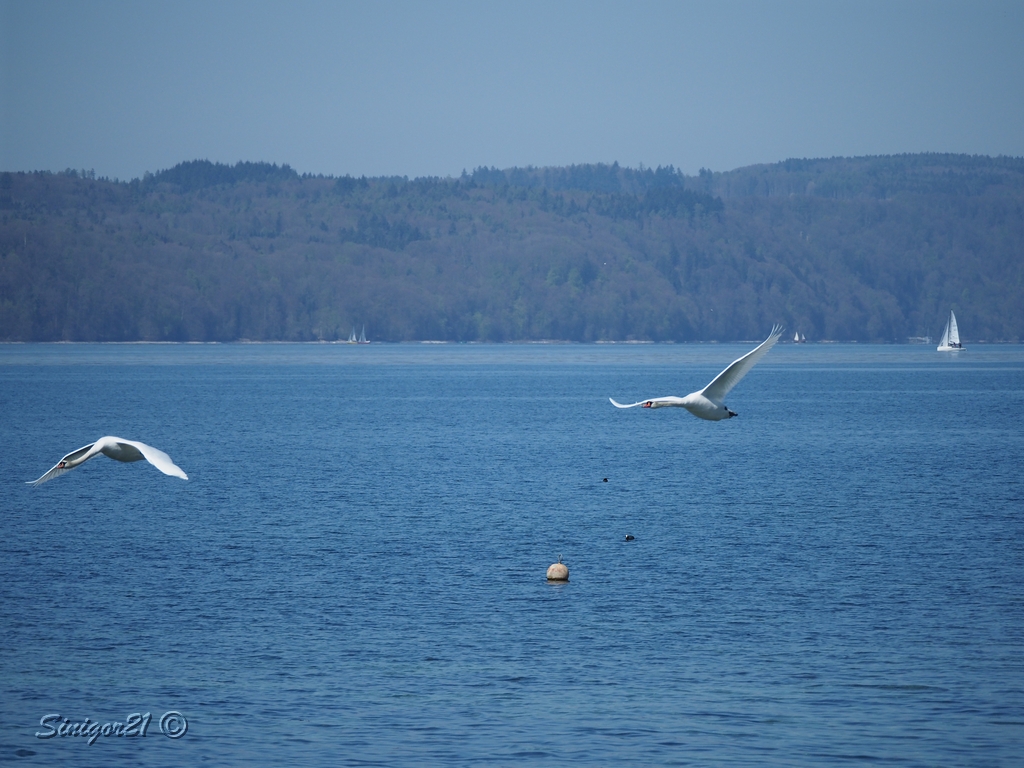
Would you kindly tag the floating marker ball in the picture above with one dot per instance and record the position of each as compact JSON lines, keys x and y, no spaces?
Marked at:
{"x":558,"y":571}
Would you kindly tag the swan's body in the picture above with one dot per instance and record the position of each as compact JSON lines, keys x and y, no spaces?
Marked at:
{"x":115,"y":448}
{"x":708,"y":402}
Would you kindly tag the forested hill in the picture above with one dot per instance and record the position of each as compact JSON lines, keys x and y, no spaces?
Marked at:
{"x":868,"y":249}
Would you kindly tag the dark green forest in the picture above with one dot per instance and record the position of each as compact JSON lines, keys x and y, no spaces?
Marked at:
{"x":866,"y":249}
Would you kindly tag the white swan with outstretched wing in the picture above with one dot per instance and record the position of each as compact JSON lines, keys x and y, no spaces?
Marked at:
{"x":708,"y":402}
{"x":115,"y":448}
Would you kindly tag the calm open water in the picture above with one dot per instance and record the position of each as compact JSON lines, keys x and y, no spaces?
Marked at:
{"x":354,"y":573}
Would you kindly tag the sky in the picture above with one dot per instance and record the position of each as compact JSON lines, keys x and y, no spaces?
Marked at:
{"x":435,"y":88}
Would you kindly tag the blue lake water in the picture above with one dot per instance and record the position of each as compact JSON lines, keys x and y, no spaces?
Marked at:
{"x":354,"y":572}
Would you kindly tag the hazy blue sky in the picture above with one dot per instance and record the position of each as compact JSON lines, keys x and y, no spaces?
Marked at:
{"x":431,"y":88}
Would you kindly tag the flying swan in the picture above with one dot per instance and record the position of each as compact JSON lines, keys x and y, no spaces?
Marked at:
{"x":115,"y":448}
{"x":707,"y":403}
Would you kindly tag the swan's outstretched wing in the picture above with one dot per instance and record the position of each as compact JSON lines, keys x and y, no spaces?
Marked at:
{"x":58,"y":470}
{"x":157,"y":458}
{"x":730,"y":377}
{"x":631,"y":405}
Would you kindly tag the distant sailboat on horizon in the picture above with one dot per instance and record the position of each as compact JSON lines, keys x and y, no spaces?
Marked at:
{"x":362,"y":335}
{"x":799,"y":338}
{"x":352,"y":336}
{"x":950,"y":341}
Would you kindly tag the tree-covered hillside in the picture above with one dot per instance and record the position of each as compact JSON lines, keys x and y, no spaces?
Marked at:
{"x":870,"y":249}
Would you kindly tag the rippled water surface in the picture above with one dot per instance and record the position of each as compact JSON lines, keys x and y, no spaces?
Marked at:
{"x":354,"y":572}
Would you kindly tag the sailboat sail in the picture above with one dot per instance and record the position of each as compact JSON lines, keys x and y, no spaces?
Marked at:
{"x":352,"y":336}
{"x":362,"y":336}
{"x":950,"y":335}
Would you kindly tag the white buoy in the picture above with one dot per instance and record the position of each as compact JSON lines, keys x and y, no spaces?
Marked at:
{"x":558,"y":571}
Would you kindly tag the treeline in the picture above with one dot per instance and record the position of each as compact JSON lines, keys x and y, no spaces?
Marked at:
{"x":867,"y":249}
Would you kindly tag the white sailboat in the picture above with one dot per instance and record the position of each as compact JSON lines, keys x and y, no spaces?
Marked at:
{"x":352,"y":336}
{"x":950,"y":340}
{"x":799,"y":338}
{"x":362,"y":336}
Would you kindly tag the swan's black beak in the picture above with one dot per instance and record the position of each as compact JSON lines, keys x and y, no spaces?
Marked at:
{"x":732,"y":413}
